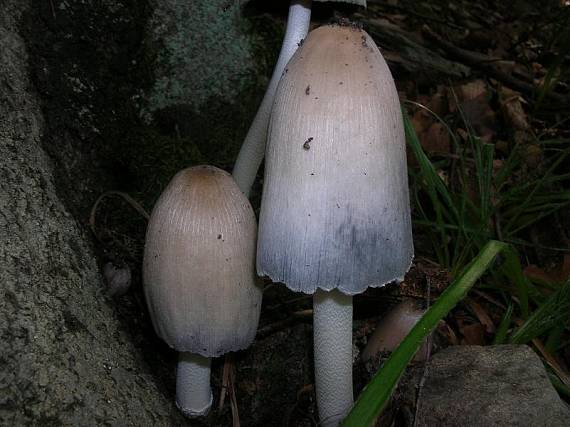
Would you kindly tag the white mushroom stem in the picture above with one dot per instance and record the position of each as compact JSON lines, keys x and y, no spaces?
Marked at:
{"x":193,"y":392}
{"x":253,"y":148}
{"x":332,"y":329}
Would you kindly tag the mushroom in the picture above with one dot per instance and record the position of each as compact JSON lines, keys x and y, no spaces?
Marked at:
{"x":393,"y":328}
{"x":253,"y":148}
{"x":335,"y":212}
{"x":199,"y":276}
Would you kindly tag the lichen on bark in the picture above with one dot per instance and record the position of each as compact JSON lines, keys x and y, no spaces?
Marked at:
{"x":200,"y":53}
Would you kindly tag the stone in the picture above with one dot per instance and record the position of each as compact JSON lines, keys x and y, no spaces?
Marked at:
{"x":200,"y":53}
{"x":503,"y":385}
{"x":65,"y":356}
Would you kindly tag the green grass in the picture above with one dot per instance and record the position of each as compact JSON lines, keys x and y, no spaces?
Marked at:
{"x":549,"y":316}
{"x":484,"y":203}
{"x":484,"y":213}
{"x":377,"y":393}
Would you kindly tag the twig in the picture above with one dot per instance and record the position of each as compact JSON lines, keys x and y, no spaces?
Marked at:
{"x":233,"y":398}
{"x":489,"y":298}
{"x":409,"y":12}
{"x":228,"y":388}
{"x":298,"y":316}
{"x":136,"y":205}
{"x":485,"y":63}
{"x":428,"y":355}
{"x":225,"y":382}
{"x":52,"y":9}
{"x":279,"y":305}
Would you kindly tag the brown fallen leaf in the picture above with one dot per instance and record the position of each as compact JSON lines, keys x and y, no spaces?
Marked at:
{"x":306,"y":389}
{"x":438,"y":102}
{"x":473,"y":100}
{"x":473,"y":334}
{"x":512,"y":107}
{"x":482,"y":316}
{"x":558,"y":275}
{"x":436,"y":139}
{"x":447,"y":332}
{"x":533,"y":155}
{"x":421,"y":120}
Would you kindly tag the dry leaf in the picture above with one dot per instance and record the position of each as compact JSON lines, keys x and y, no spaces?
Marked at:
{"x":511,"y":105}
{"x":482,"y":316}
{"x":438,"y":102}
{"x":558,"y":275}
{"x":473,"y":100}
{"x":421,"y":120}
{"x":436,"y":139}
{"x":473,"y":334}
{"x":533,"y":155}
{"x":445,"y":330}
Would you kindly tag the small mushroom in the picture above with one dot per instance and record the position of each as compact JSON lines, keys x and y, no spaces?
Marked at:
{"x":118,"y":278}
{"x":199,"y":276}
{"x":335,"y":219}
{"x":393,"y":328}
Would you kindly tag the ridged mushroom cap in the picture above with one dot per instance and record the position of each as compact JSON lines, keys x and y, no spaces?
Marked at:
{"x":358,"y":2}
{"x":335,"y":210}
{"x":199,"y":264}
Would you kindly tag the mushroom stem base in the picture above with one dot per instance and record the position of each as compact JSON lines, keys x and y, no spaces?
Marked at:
{"x":332,"y":326}
{"x":193,"y":392}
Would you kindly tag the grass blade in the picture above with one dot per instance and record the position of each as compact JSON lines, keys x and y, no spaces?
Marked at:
{"x":502,"y":331}
{"x":377,"y":393}
{"x":512,"y":269}
{"x":562,"y":388}
{"x":553,"y":312}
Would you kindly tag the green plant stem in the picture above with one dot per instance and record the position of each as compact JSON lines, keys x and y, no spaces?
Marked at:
{"x":503,"y":329}
{"x":377,"y":393}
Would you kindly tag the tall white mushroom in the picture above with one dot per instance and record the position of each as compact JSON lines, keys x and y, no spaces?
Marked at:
{"x":335,"y":213}
{"x":253,"y":148}
{"x":199,"y":276}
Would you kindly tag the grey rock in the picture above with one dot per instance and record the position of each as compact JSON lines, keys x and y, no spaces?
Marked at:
{"x":489,"y":386}
{"x":201,"y":53}
{"x":64,"y":357}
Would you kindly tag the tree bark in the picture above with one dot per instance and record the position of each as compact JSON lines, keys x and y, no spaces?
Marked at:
{"x":65,"y":358}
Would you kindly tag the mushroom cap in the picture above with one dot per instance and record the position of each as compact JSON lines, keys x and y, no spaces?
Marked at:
{"x":393,"y":327}
{"x":359,"y":2}
{"x":335,"y":210}
{"x":199,"y":264}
